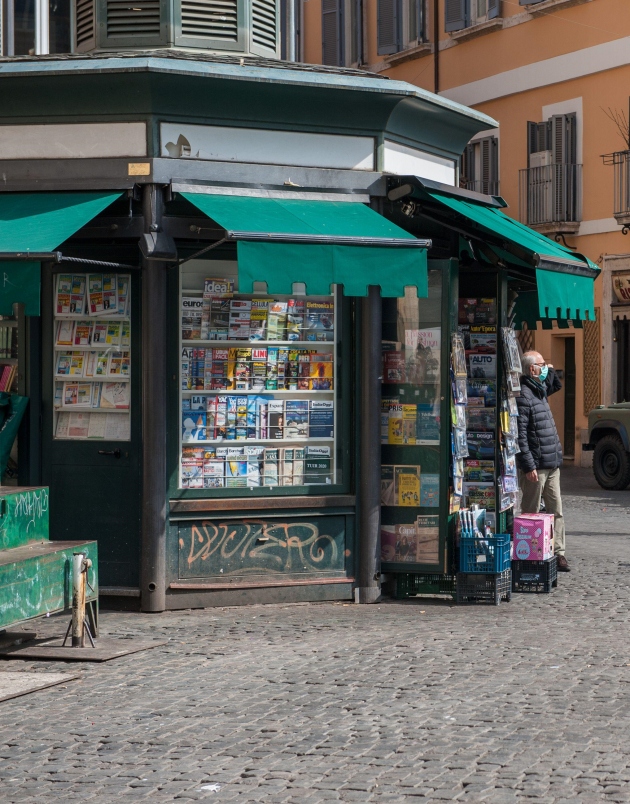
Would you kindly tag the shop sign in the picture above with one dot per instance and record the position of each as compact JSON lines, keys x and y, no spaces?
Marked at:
{"x":621,"y":286}
{"x":224,"y":548}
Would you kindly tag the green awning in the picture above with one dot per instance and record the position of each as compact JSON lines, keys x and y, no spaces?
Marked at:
{"x":319,"y":243}
{"x":39,"y":222}
{"x":564,"y":278}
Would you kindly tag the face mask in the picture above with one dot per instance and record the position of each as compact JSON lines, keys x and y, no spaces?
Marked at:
{"x":543,"y":373}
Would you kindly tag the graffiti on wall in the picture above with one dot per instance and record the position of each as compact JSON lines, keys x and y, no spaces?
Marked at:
{"x":213,"y":547}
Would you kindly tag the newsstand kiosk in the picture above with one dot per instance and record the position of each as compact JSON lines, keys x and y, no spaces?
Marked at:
{"x":232,"y":252}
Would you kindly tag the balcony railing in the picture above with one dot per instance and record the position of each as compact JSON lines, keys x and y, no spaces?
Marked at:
{"x":480,"y":186}
{"x":621,"y":163}
{"x":551,"y":195}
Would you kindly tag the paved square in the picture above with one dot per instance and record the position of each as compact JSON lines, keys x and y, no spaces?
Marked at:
{"x":401,"y":702}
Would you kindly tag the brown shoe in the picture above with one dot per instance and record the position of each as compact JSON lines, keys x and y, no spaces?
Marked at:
{"x":562,"y":564}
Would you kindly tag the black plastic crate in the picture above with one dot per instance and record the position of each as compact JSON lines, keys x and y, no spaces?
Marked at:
{"x":475,"y":587}
{"x":534,"y":576}
{"x":410,"y":585}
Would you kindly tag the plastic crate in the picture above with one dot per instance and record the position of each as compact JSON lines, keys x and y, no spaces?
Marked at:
{"x":534,"y":576}
{"x":488,"y":555}
{"x":410,"y":585}
{"x":478,"y":587}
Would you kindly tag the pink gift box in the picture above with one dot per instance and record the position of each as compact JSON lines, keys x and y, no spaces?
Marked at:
{"x":533,"y":537}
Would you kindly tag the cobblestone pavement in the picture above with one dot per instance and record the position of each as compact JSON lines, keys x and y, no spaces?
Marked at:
{"x":400,"y":702}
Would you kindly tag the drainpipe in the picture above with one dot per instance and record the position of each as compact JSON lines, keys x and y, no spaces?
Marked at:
{"x":154,"y":380}
{"x":291,"y":30}
{"x":41,"y":28}
{"x":436,"y":46}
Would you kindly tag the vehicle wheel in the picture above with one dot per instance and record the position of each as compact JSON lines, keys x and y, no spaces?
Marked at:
{"x":611,"y":464}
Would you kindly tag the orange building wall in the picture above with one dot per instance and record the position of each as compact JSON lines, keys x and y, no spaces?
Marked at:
{"x":563,"y":28}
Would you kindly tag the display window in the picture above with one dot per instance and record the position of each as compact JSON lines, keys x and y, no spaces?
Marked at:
{"x":410,"y":427}
{"x":92,"y":356}
{"x":259,"y":379}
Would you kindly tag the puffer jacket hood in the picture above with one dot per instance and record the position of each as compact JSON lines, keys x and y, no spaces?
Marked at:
{"x":537,"y":434}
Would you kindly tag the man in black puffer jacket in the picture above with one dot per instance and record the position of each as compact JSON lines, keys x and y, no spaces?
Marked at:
{"x":540,"y":458}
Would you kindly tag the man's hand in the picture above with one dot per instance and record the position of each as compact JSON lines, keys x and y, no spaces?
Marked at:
{"x":532,"y":476}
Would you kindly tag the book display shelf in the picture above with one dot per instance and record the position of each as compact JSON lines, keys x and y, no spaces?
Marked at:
{"x":410,"y":428}
{"x":259,"y":375}
{"x":92,"y":357}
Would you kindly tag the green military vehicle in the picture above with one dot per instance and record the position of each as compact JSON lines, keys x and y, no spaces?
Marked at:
{"x":609,"y":438}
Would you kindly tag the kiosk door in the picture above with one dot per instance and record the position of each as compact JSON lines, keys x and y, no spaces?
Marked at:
{"x":91,"y":438}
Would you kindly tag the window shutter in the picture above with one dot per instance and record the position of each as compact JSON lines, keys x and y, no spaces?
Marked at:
{"x":388,"y":25}
{"x":489,"y":161}
{"x":84,"y":25}
{"x":564,"y":156}
{"x":467,"y":168}
{"x":455,"y":17}
{"x":563,"y":139}
{"x":494,"y":6}
{"x":331,"y":32}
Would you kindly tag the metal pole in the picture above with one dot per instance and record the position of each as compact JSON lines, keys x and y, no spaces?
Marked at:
{"x":154,"y":306}
{"x":41,"y":27}
{"x":9,"y":28}
{"x":291,"y":30}
{"x":369,"y":588}
{"x":78,"y":600}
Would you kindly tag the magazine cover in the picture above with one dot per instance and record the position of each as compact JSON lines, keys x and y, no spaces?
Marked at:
{"x":95,"y":293}
{"x":511,"y":350}
{"x":482,"y":366}
{"x":395,"y":430}
{"x":484,"y":389}
{"x":277,"y":321}
{"x":429,"y":490}
{"x":409,"y":423}
{"x":422,"y":355}
{"x":317,"y":465}
{"x":458,"y":355}
{"x":322,"y":418}
{"x":481,"y":445}
{"x":77,"y":295}
{"x":479,"y":471}
{"x":295,"y":319}
{"x":191,"y":317}
{"x":481,"y":494}
{"x":319,"y":321}
{"x":388,"y":490}
{"x":388,"y":542}
{"x":193,"y":426}
{"x":407,"y":484}
{"x":258,"y":319}
{"x":428,"y":539}
{"x":481,"y":419}
{"x":110,"y":293}
{"x":296,"y":418}
{"x":64,"y":292}
{"x":427,"y":423}
{"x":123,"y":294}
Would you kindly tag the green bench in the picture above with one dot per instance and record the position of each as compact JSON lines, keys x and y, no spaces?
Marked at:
{"x":35,"y":573}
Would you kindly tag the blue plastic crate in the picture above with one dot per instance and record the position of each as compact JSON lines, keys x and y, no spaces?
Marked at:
{"x":490,"y":554}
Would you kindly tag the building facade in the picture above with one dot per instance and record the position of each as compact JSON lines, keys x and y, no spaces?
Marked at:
{"x":554,"y":74}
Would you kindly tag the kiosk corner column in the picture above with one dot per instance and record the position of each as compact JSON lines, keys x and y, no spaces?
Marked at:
{"x":369,"y":586}
{"x":154,"y":380}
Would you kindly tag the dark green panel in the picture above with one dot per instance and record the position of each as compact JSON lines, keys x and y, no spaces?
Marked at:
{"x":20,"y":282}
{"x":23,"y":517}
{"x":41,"y":584}
{"x":224,"y":548}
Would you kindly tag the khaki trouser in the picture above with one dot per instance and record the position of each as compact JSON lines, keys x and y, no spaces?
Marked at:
{"x":547,"y":487}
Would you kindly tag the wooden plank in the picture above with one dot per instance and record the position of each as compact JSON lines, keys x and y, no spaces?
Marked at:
{"x":23,"y":516}
{"x":40,"y":583}
{"x":262,"y":503}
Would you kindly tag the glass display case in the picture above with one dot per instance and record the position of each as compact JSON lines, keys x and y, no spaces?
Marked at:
{"x":259,"y":384}
{"x":411,"y":411}
{"x":92,"y":356}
